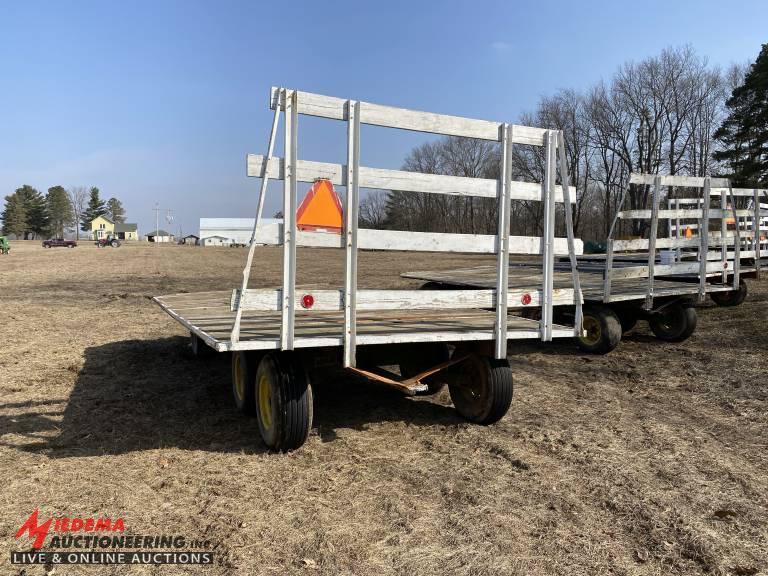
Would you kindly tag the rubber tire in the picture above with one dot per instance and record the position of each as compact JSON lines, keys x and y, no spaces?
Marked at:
{"x":675,"y":324}
{"x":490,"y":396}
{"x":423,"y":357}
{"x":627,"y":318}
{"x":732,"y":298}
{"x":291,"y":405}
{"x":113,"y":244}
{"x":609,"y":326}
{"x":246,"y":363}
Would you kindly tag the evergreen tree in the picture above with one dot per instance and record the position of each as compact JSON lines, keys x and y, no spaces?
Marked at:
{"x":115,"y":211}
{"x":60,"y":211}
{"x":744,"y":132}
{"x":35,"y":210}
{"x":95,"y":208}
{"x":14,"y":216}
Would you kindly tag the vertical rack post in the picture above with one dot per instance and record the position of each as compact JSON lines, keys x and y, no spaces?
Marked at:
{"x":756,"y":233}
{"x":609,"y":248}
{"x":678,"y":251}
{"x":548,"y":253}
{"x":736,"y":241}
{"x":235,"y":335}
{"x":704,"y":240}
{"x":352,"y":203}
{"x":289,"y":221}
{"x":502,"y":261}
{"x":652,"y":240}
{"x":724,"y":236}
{"x":565,"y":183}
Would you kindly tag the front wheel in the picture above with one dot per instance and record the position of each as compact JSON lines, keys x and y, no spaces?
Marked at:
{"x":481,"y":388}
{"x":283,"y":401}
{"x":732,"y":297}
{"x":602,"y":330}
{"x":243,"y":381}
{"x":674,"y":323}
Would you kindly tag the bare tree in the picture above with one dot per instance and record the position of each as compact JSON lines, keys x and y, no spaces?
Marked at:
{"x":373,"y":210}
{"x":657,"y":115}
{"x":78,"y":195}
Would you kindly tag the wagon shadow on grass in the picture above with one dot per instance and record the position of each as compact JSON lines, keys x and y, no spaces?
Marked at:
{"x":145,"y":394}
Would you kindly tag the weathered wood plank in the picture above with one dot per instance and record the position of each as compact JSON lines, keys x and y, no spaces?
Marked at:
{"x":414,"y":241}
{"x":405,"y":119}
{"x":684,"y":181}
{"x":687,"y":213}
{"x":400,"y":180}
{"x":681,"y":268}
{"x":323,"y":300}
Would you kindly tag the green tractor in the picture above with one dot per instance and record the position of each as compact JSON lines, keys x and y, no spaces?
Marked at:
{"x":5,"y":246}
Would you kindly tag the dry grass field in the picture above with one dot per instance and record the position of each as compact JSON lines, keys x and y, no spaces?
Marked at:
{"x":651,"y":460}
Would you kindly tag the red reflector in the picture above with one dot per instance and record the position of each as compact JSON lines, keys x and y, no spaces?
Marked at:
{"x":725,"y":265}
{"x":307,"y":301}
{"x":526,"y":299}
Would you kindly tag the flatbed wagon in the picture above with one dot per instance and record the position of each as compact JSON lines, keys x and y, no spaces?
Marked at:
{"x":413,"y":340}
{"x":633,"y":281}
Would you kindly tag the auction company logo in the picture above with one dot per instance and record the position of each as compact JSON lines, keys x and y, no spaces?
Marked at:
{"x":103,"y":541}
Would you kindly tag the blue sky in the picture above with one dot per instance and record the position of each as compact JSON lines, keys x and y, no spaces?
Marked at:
{"x":159,"y":101}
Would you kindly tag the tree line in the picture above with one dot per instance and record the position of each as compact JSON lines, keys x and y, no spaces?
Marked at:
{"x":672,"y":113}
{"x":28,"y":214}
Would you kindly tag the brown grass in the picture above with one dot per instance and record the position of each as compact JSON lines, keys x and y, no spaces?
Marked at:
{"x":651,"y":460}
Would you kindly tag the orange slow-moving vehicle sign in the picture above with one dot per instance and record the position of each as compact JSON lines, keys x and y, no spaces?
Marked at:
{"x":321,"y":209}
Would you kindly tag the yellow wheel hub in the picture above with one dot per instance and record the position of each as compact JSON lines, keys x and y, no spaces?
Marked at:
{"x":265,"y":401}
{"x":239,"y":378}
{"x":592,"y":327}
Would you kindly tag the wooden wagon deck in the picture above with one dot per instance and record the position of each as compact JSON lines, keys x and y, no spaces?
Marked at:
{"x":592,"y":285}
{"x":209,"y":315}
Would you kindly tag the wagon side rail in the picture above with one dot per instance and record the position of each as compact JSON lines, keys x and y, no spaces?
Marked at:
{"x":353,"y":176}
{"x":752,"y":222}
{"x":707,"y":263}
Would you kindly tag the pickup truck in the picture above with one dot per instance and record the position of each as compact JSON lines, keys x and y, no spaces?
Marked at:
{"x":59,"y":243}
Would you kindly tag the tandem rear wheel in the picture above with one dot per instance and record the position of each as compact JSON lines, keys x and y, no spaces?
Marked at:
{"x":732,"y":297}
{"x":481,"y":388}
{"x":274,"y":387}
{"x":674,"y":322}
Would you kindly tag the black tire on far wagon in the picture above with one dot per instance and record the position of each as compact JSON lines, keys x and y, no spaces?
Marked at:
{"x":602,"y":329}
{"x":732,"y":297}
{"x":674,"y":323}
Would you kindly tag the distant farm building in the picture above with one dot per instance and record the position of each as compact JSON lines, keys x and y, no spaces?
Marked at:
{"x":127,"y":231}
{"x":160,"y":236}
{"x":237,"y":230}
{"x":216,"y":241}
{"x":190,"y":240}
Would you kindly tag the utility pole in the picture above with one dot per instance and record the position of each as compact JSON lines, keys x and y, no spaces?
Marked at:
{"x":168,"y":218}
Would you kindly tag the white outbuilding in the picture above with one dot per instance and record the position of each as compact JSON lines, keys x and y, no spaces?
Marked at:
{"x":216,"y":241}
{"x":237,"y":230}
